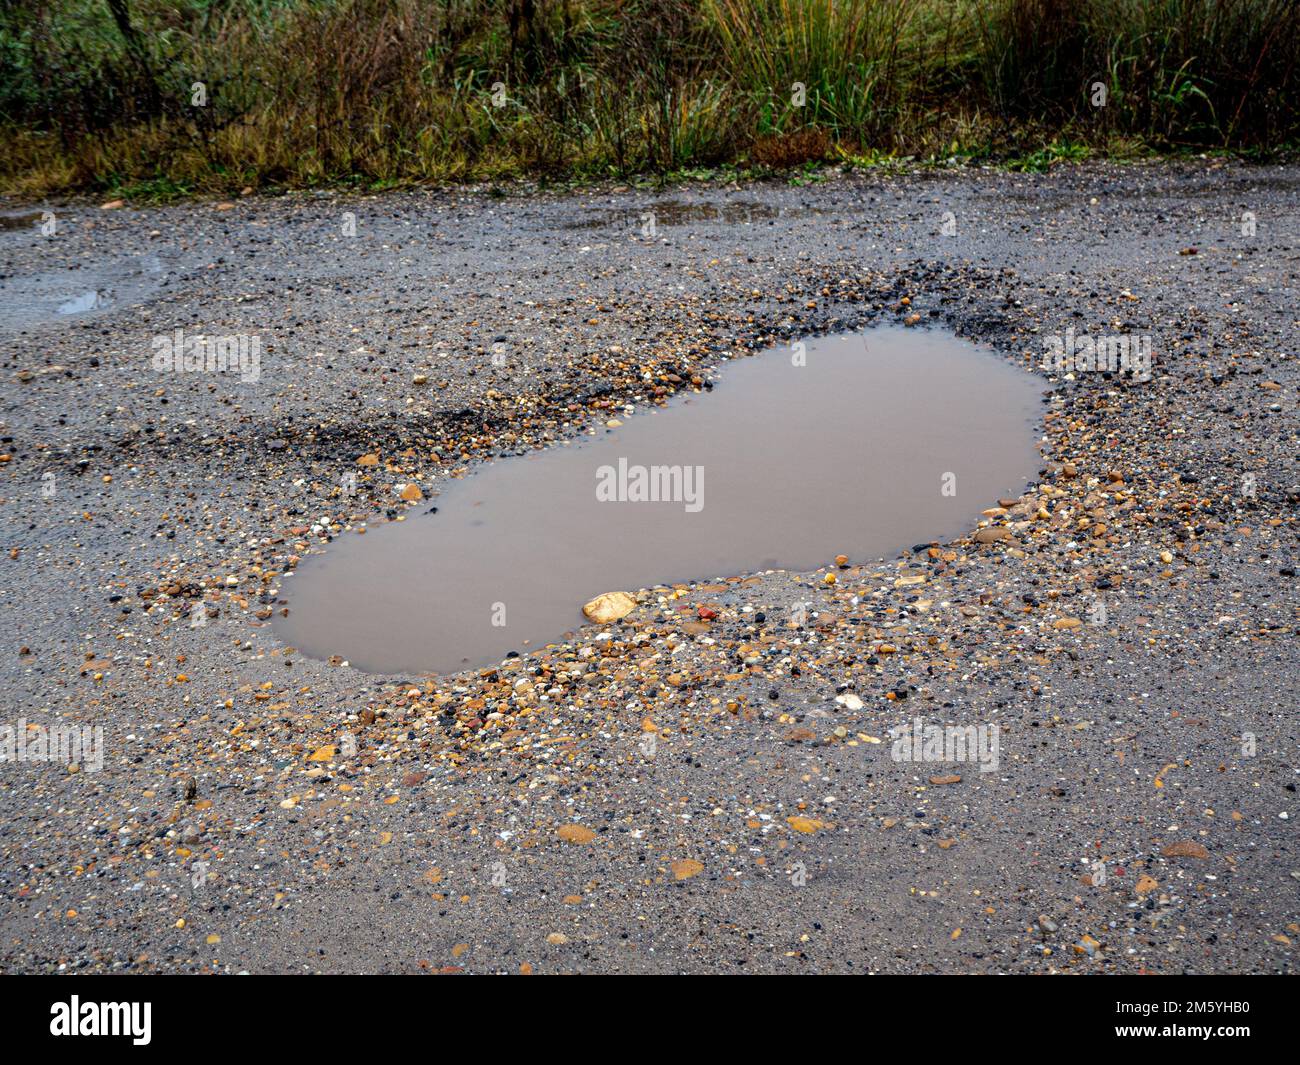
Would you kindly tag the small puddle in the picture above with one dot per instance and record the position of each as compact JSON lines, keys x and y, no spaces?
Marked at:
{"x":33,"y":301}
{"x":20,"y":221}
{"x":682,"y":212}
{"x":782,"y":466}
{"x":87,"y":301}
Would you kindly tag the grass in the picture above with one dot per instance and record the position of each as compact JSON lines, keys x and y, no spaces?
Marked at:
{"x":157,"y":100}
{"x":1043,"y":158}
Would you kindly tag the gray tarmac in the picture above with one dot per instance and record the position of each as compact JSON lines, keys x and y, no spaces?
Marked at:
{"x":709,"y":784}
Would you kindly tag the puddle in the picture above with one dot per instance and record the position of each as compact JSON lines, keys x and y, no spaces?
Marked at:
{"x":20,"y":221}
{"x":87,"y":301}
{"x":846,"y":454}
{"x":681,"y":212}
{"x":34,"y":301}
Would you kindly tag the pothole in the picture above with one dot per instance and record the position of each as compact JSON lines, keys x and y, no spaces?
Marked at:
{"x":682,"y":212}
{"x":37,"y":300}
{"x":856,"y":444}
{"x":87,"y":301}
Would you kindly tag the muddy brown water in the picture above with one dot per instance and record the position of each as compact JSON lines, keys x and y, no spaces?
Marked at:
{"x":781,"y":466}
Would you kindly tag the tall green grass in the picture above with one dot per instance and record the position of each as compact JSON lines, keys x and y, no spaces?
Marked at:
{"x":97,"y":94}
{"x":853,"y":64}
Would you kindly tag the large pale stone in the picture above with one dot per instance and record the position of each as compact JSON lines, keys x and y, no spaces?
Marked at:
{"x":609,"y":607}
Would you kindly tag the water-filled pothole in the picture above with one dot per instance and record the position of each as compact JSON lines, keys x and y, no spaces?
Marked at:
{"x":857,"y":444}
{"x":87,"y":301}
{"x":683,"y":212}
{"x":33,"y":301}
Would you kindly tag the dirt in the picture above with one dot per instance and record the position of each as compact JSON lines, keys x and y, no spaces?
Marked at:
{"x":709,"y":784}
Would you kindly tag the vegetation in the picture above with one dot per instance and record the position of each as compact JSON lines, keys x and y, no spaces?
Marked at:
{"x":163,"y":98}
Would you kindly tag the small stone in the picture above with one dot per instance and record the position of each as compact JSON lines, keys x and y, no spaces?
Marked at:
{"x":992,"y":534}
{"x":685,"y":868}
{"x":1187,"y":848}
{"x":576,"y":834}
{"x":1087,"y":945}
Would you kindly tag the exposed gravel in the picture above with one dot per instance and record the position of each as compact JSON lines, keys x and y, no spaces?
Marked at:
{"x":681,"y":791}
